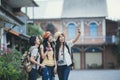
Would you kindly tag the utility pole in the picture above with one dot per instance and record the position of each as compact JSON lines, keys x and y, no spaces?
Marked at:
{"x":33,"y":14}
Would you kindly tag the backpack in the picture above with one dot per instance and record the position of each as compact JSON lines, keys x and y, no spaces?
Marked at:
{"x":25,"y":61}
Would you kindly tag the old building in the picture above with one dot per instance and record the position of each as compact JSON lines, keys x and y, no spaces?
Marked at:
{"x":13,"y":23}
{"x":95,"y":47}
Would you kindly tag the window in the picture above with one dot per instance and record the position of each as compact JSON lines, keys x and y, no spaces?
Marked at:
{"x":71,"y":31}
{"x":93,"y":29}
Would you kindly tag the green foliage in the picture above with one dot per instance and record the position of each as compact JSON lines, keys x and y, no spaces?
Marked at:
{"x":10,"y":63}
{"x":34,"y":30}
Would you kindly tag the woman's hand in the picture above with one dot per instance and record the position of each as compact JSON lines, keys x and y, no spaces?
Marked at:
{"x":55,"y":70}
{"x":42,"y":66}
{"x":78,"y":35}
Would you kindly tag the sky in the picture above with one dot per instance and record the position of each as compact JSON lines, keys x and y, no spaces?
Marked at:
{"x":113,"y":7}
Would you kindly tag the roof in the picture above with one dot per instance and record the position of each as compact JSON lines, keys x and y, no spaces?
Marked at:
{"x":84,"y":8}
{"x":9,"y":17}
{"x":57,"y":9}
{"x":21,"y":3}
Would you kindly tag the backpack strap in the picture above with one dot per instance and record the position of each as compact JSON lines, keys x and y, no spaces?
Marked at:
{"x":40,"y":53}
{"x":36,"y":59}
{"x":68,"y":48}
{"x":69,"y":51}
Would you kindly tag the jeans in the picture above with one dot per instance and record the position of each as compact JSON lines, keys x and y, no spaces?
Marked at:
{"x":48,"y":73}
{"x":51,"y":72}
{"x":63,"y":72}
{"x":32,"y":75}
{"x":44,"y":74}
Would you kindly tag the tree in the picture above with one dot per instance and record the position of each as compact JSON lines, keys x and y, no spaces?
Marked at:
{"x":34,"y":30}
{"x":50,"y":27}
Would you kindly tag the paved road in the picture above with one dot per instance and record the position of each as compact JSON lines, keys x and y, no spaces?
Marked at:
{"x":93,"y":75}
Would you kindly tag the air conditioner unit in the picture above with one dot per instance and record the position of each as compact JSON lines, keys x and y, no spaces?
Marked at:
{"x":114,"y":39}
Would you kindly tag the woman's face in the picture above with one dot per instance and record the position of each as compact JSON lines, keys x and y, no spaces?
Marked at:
{"x":50,"y":39}
{"x":37,"y":41}
{"x":62,"y":38}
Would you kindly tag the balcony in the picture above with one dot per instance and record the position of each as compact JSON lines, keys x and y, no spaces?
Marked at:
{"x":91,"y":40}
{"x":98,"y":40}
{"x":19,"y":29}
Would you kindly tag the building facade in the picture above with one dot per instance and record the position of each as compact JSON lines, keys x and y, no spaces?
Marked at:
{"x":13,"y":24}
{"x":95,"y":47}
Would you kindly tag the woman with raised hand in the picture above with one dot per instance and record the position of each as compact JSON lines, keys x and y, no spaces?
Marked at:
{"x":63,"y":56}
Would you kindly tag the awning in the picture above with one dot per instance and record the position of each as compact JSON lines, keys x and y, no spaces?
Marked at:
{"x":11,"y":31}
{"x":22,"y":36}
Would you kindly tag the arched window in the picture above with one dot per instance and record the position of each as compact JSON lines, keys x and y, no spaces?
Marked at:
{"x":93,"y":29}
{"x":71,"y":30}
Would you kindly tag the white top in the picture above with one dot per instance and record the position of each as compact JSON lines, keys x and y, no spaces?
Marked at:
{"x":67,"y":57}
{"x":35,"y":53}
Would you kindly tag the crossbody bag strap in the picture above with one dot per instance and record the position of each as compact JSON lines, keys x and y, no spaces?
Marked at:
{"x":36,"y":59}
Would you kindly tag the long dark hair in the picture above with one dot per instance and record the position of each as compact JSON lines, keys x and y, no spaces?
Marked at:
{"x":45,"y":44}
{"x":57,"y":47}
{"x":40,"y":53}
{"x":32,"y":40}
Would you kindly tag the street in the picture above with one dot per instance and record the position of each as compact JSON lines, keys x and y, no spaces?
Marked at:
{"x":93,"y":75}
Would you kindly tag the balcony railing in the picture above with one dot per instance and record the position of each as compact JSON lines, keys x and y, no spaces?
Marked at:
{"x":98,"y":40}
